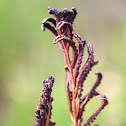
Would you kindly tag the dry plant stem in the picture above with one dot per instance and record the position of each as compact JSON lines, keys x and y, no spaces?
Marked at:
{"x":72,"y":79}
{"x":66,"y":88}
{"x":71,"y":76}
{"x":48,"y":111}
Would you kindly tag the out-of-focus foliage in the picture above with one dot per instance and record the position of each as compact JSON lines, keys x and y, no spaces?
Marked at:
{"x":27,"y":56}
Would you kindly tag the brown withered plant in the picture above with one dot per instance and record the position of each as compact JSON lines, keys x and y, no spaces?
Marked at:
{"x":43,"y":112}
{"x":75,"y":76}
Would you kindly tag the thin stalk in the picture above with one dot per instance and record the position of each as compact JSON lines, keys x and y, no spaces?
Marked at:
{"x":71,"y":76}
{"x":47,"y":120}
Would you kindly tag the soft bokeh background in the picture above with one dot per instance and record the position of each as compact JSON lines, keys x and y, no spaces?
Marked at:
{"x":27,"y":56}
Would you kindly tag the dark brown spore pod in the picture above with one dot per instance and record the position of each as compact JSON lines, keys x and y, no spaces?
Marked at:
{"x":75,"y":75}
{"x":43,"y":112}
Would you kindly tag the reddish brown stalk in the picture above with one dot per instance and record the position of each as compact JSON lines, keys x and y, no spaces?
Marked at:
{"x":71,"y":75}
{"x":48,"y":111}
{"x":74,"y":76}
{"x":68,"y":93}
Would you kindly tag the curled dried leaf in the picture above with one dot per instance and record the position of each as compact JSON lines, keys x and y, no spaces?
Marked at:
{"x":71,"y":43}
{"x":69,"y":16}
{"x":48,"y":26}
{"x":65,"y":26}
{"x":49,"y":19}
{"x":75,"y":14}
{"x":53,"y":11}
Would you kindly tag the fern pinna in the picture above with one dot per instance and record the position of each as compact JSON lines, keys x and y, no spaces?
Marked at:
{"x":75,"y":76}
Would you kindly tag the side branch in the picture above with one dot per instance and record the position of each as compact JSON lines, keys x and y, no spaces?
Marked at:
{"x":49,"y":19}
{"x":48,"y":26}
{"x":103,"y":104}
{"x":92,"y":93}
{"x":87,"y":67}
{"x":68,"y":92}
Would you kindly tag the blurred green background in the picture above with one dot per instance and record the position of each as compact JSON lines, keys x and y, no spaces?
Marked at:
{"x":27,"y":56}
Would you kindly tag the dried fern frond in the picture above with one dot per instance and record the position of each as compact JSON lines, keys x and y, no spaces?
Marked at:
{"x":63,"y":30}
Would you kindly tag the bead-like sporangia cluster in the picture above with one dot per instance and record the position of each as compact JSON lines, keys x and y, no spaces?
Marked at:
{"x":75,"y":76}
{"x":43,"y":112}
